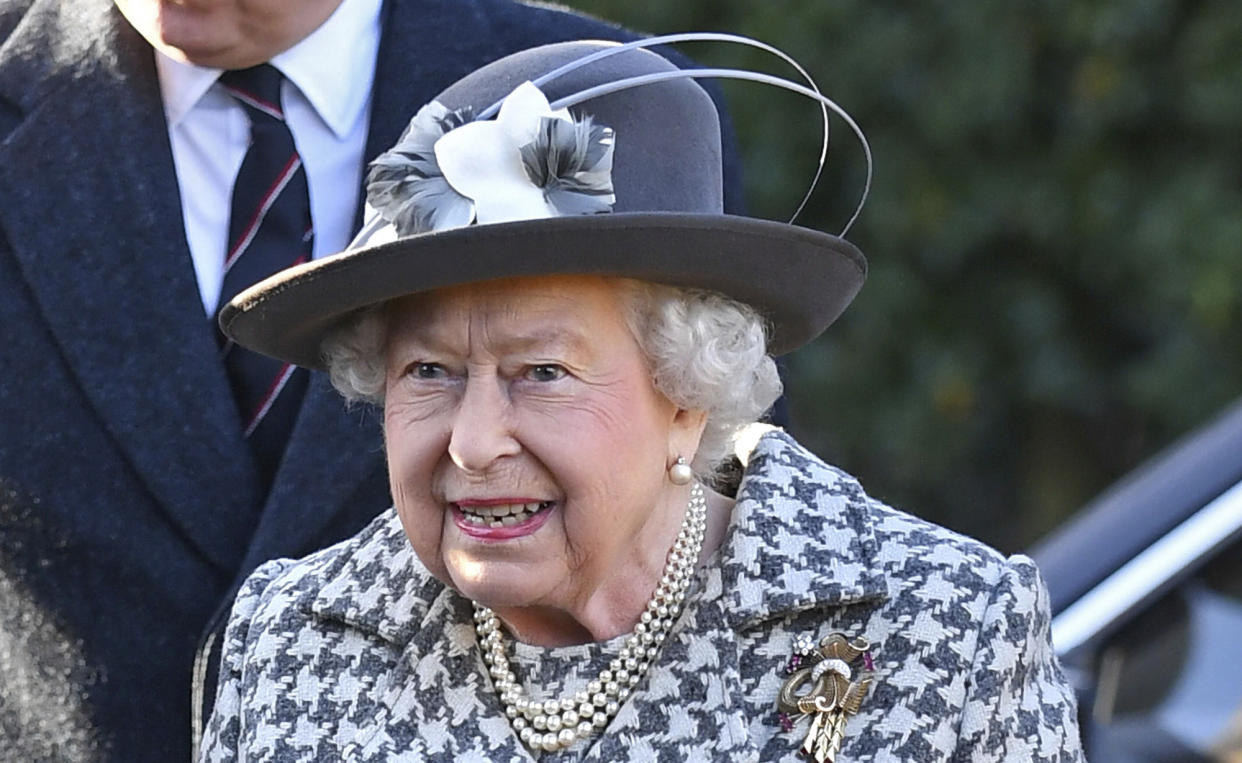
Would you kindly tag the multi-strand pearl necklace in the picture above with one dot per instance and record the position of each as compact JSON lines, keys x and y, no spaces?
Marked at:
{"x":555,"y":724}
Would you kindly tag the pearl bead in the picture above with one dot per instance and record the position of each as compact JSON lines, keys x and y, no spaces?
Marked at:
{"x":584,"y":729}
{"x":565,"y":705}
{"x":551,"y":706}
{"x":581,"y":697}
{"x":549,"y":743}
{"x":600,"y":720}
{"x":680,"y":472}
{"x":595,"y":687}
{"x":520,"y":724}
{"x":511,"y":712}
{"x":526,"y":734}
{"x":586,"y":710}
{"x":599,"y":699}
{"x":540,"y":722}
{"x":611,"y":708}
{"x":554,"y":723}
{"x":623,"y":676}
{"x":566,"y":737}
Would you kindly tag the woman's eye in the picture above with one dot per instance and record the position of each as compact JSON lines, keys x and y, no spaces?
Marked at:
{"x":545,"y":372}
{"x":428,"y":371}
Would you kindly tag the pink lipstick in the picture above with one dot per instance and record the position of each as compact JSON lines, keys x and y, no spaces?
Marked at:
{"x":499,"y":519}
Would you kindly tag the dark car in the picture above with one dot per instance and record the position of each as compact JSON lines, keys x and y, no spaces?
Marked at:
{"x":1146,"y":586}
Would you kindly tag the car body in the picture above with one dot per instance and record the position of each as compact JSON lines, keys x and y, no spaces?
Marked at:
{"x":1146,"y":590}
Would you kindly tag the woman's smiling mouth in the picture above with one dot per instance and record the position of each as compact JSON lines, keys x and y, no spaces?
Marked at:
{"x":500,"y":519}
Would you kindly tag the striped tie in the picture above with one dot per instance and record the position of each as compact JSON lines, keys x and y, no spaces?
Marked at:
{"x":269,"y":230}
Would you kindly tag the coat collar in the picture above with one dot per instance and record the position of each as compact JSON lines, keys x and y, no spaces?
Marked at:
{"x":377,"y":584}
{"x":801,"y":538}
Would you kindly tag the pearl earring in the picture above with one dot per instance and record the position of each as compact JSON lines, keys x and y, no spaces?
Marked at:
{"x":680,"y":472}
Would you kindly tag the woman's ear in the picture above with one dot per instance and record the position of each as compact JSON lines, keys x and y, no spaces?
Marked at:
{"x":685,"y":433}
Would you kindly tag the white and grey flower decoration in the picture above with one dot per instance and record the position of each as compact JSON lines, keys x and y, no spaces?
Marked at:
{"x":529,"y":163}
{"x":406,"y":185}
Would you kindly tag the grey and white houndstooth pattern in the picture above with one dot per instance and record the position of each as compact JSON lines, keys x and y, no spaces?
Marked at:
{"x":357,"y":653}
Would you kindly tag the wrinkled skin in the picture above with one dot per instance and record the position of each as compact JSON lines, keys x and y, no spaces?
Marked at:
{"x":534,"y":390}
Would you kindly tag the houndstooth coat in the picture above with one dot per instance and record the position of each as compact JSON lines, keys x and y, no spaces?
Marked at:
{"x":357,"y":653}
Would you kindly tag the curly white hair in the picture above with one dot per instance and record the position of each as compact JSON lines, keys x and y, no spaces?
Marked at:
{"x":704,"y":351}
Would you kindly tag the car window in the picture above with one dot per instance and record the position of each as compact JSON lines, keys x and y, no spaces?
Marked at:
{"x":1169,"y":683}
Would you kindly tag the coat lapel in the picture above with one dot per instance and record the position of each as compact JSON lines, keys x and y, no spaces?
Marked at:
{"x":332,"y":451}
{"x":439,"y":692}
{"x":801,"y":538}
{"x":437,"y":687}
{"x":90,"y":205}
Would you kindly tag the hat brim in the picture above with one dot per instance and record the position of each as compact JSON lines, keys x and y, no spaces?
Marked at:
{"x":800,"y":280}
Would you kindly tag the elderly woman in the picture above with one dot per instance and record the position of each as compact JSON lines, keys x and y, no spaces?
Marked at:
{"x":566,"y":335}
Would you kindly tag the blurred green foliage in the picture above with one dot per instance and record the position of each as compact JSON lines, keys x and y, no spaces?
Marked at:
{"x":1054,"y":234}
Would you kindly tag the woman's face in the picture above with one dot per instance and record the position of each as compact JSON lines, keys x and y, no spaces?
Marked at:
{"x":528,"y":448}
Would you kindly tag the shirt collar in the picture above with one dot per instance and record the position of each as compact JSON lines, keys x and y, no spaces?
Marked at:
{"x":182,"y":85}
{"x":333,"y":67}
{"x":347,"y":43}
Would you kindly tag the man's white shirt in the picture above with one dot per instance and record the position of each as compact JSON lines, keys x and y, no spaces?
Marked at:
{"x":327,"y":98}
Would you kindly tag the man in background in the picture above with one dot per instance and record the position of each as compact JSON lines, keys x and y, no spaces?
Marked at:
{"x":133,"y":195}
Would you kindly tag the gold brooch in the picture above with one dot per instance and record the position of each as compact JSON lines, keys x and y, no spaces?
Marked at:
{"x":830,"y":691}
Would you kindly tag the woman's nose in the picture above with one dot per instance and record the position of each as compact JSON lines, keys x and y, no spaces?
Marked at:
{"x":482,"y":427}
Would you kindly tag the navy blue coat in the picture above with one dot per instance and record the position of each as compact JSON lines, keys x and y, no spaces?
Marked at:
{"x":131,"y":509}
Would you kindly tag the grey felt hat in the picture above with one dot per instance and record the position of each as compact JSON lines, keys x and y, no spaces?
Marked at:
{"x":623,"y":183}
